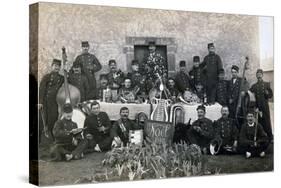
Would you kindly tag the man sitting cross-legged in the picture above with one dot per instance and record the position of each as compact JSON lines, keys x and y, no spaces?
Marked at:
{"x":68,"y":139}
{"x":120,"y":129}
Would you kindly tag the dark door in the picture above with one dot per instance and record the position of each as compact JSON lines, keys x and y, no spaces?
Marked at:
{"x":141,"y":52}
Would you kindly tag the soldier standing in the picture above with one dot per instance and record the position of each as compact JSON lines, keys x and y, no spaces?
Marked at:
{"x":196,"y":74}
{"x":233,"y":92}
{"x":182,"y":79}
{"x":90,"y":65}
{"x":48,"y":90}
{"x":263,"y":92}
{"x":212,"y":64}
{"x":222,"y":89}
{"x":79,"y":80}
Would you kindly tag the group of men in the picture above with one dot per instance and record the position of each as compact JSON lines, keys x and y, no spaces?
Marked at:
{"x":206,"y":80}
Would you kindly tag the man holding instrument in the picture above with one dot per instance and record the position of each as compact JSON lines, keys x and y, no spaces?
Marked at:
{"x":263,"y":92}
{"x":253,"y":140}
{"x":48,"y":89}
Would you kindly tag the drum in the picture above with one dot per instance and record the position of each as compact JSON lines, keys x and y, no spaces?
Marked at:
{"x":78,"y":117}
{"x":136,"y":137}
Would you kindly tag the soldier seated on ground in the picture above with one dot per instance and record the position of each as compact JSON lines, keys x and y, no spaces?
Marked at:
{"x":201,"y":131}
{"x":253,"y":141}
{"x":97,"y":130}
{"x":226,"y":134}
{"x":121,"y":128}
{"x":68,"y":139}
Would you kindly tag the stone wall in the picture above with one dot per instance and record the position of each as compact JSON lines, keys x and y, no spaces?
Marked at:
{"x":110,"y":29}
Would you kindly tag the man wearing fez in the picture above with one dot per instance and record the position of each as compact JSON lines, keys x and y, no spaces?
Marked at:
{"x":201,"y":131}
{"x":263,"y":92}
{"x":90,"y":65}
{"x":226,"y":132}
{"x":222,"y":89}
{"x":196,"y":74}
{"x":48,"y":89}
{"x":115,"y":78}
{"x":154,"y":65}
{"x":212,"y":64}
{"x":233,"y":91}
{"x":120,"y":129}
{"x":79,"y":80}
{"x":68,"y":139}
{"x":252,"y":139}
{"x":182,"y":79}
{"x":97,"y":129}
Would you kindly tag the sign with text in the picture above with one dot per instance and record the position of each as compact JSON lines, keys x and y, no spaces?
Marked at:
{"x":159,"y":132}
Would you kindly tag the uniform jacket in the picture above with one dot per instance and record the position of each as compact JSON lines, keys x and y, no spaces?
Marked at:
{"x":226,"y":129}
{"x":182,"y":81}
{"x":81,"y":82}
{"x":222,"y":92}
{"x":61,"y":128}
{"x":212,"y":64}
{"x":94,"y":122}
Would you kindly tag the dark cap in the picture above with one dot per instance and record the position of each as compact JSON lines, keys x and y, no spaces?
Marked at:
{"x":103,"y":77}
{"x":211,"y":45}
{"x":111,"y":61}
{"x":77,"y":64}
{"x":259,"y":71}
{"x":221,"y":71}
{"x":85,"y":44}
{"x":201,"y":107}
{"x":135,"y":62}
{"x":182,"y":63}
{"x":196,"y":59}
{"x":251,"y":111}
{"x":57,"y":62}
{"x":67,"y":108}
{"x":235,"y":67}
{"x":151,"y":43}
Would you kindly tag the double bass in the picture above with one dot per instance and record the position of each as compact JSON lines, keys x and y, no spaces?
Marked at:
{"x":67,"y":92}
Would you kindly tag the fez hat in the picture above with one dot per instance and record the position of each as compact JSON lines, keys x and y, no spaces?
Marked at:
{"x":77,"y":64}
{"x":211,"y":45}
{"x":57,"y":62}
{"x":103,"y":76}
{"x":182,"y":63}
{"x":67,"y":108}
{"x":111,"y":61}
{"x":85,"y":44}
{"x":259,"y":71}
{"x":196,"y":59}
{"x":201,"y":107}
{"x":135,"y":62}
{"x":151,"y":43}
{"x":235,"y":67}
{"x":221,"y":71}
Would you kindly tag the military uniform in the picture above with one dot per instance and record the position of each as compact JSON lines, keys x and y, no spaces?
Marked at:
{"x":262,"y":93}
{"x":233,"y":94}
{"x":48,"y":90}
{"x":90,"y":65}
{"x":81,"y":82}
{"x":121,"y":129}
{"x":204,"y":137}
{"x":222,"y":92}
{"x":182,"y":81}
{"x":197,"y":77}
{"x":226,"y":130}
{"x":64,"y":141}
{"x":127,"y":94}
{"x":212,"y":64}
{"x":246,"y":139}
{"x":93,"y":124}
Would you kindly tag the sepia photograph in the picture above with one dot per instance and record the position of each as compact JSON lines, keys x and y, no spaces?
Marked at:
{"x":125,"y":94}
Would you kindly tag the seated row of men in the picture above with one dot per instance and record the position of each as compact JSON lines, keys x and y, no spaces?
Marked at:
{"x":100,"y":135}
